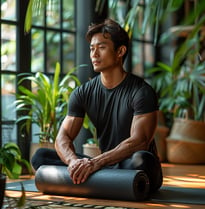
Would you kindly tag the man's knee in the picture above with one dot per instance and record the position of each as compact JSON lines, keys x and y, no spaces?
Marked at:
{"x":38,"y":158}
{"x":146,"y":161}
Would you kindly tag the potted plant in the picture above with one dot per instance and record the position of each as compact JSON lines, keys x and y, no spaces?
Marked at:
{"x":11,"y":163}
{"x":181,"y":89}
{"x":91,"y":147}
{"x":45,"y":103}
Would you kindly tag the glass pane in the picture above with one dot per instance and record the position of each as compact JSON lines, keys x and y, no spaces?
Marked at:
{"x":149,"y":55}
{"x":37,"y":61}
{"x":8,"y":83}
{"x":38,"y":18}
{"x":68,"y":52}
{"x":53,"y":50}
{"x":8,"y":47}
{"x":8,"y":132}
{"x":118,"y":12}
{"x":137,"y":58}
{"x":53,"y":14}
{"x":137,"y":29}
{"x":8,"y":9}
{"x":149,"y":34}
{"x":68,"y":15}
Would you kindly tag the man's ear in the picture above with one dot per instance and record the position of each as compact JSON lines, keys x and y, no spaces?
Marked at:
{"x":121,"y":51}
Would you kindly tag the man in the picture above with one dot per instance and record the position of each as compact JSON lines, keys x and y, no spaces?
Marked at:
{"x":123,"y":108}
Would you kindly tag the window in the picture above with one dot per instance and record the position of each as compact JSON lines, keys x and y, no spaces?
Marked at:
{"x":8,"y":65}
{"x":51,"y":40}
{"x":53,"y":37}
{"x":142,"y":52}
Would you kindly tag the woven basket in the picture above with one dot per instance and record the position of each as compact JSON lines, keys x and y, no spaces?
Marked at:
{"x":188,"y":129}
{"x":185,"y":152}
{"x":186,"y":142}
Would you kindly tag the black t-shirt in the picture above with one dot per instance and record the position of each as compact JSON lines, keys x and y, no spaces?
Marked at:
{"x":112,"y":110}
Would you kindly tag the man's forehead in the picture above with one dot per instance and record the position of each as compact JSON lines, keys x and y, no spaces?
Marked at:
{"x":100,"y":38}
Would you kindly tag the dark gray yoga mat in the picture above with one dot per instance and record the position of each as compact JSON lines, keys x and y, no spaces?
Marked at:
{"x":165,"y":194}
{"x":118,"y":184}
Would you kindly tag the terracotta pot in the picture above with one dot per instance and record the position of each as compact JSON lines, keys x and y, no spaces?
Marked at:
{"x":2,"y":188}
{"x":91,"y":150}
{"x":186,"y":142}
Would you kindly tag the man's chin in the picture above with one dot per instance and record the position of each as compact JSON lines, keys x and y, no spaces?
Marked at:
{"x":97,"y":70}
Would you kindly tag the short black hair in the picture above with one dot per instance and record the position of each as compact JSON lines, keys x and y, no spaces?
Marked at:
{"x":118,"y":35}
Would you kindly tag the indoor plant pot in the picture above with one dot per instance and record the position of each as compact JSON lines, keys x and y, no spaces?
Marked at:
{"x":91,"y":150}
{"x":91,"y":147}
{"x":186,"y":142}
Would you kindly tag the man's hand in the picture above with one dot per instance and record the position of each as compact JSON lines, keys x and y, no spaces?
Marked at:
{"x":80,"y":169}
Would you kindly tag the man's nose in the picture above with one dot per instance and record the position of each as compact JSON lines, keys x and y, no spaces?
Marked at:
{"x":95,"y":53}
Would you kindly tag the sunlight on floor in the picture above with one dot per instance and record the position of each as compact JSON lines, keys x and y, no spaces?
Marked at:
{"x":173,"y":176}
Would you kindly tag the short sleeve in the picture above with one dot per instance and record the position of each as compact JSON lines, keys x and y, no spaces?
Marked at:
{"x":145,"y":100}
{"x":75,"y":104}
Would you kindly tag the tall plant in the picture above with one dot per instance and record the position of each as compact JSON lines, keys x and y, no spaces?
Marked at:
{"x":46,"y":103}
{"x":181,"y":85}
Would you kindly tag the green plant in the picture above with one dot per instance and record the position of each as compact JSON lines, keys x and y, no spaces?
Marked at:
{"x":87,"y":124}
{"x":46,"y":103}
{"x":181,"y":85}
{"x":11,"y":161}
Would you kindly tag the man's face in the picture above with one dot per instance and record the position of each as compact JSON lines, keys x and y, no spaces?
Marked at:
{"x":102,"y":53}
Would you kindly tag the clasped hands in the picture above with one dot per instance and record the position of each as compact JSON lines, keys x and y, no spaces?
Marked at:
{"x":80,"y":169}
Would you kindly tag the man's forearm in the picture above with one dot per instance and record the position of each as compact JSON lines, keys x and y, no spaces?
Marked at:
{"x":65,"y":150}
{"x":124,"y":150}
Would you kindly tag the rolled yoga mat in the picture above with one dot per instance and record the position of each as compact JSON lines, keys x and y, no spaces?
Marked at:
{"x":120,"y":184}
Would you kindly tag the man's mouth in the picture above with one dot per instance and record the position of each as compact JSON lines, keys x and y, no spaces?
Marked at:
{"x":95,"y":62}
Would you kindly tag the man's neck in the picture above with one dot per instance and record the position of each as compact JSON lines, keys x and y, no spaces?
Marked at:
{"x":112,"y":79}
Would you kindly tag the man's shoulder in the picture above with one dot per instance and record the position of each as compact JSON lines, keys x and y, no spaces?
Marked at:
{"x":88,"y":85}
{"x":135,"y":80}
{"x":91,"y":81}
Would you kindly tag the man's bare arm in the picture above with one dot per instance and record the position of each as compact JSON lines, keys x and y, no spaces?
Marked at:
{"x":141,"y":134}
{"x":64,"y":140}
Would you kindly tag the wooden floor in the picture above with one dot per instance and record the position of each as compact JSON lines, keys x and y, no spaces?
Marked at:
{"x":189,"y":176}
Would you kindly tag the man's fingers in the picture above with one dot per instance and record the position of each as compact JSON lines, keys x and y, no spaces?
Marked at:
{"x":80,"y":171}
{"x":84,"y":173}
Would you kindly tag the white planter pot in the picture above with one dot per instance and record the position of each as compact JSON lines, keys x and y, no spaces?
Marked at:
{"x":91,"y":150}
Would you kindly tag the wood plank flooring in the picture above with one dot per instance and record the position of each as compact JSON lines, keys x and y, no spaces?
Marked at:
{"x":187,"y":176}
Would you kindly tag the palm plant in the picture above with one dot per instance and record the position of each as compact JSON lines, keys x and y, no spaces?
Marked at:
{"x":46,"y":104}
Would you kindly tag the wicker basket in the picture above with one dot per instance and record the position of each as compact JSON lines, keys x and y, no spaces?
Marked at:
{"x":188,"y":129}
{"x":185,"y":152}
{"x":186,"y":142}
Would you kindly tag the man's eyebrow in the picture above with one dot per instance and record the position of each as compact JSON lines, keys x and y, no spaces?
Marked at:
{"x":99,"y":43}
